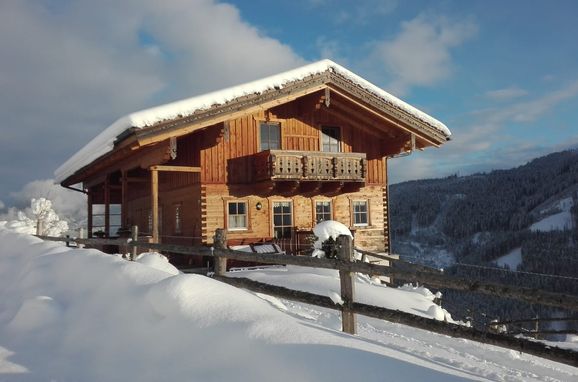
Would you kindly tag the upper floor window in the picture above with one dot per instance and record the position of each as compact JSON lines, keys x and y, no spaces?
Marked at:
{"x":330,"y":139}
{"x":270,"y":136}
{"x":237,"y":215}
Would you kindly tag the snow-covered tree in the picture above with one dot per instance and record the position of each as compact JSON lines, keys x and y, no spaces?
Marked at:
{"x":39,"y":217}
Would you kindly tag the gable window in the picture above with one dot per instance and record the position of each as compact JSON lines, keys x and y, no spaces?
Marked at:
{"x":330,"y":139}
{"x":322,"y":211}
{"x":270,"y":135}
{"x":360,"y":213}
{"x":236,"y":216}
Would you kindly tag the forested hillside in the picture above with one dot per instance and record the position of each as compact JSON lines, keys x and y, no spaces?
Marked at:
{"x":488,"y":226}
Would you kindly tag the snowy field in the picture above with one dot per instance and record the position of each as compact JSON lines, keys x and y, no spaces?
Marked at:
{"x":512,"y":259}
{"x":559,"y":221}
{"x":80,"y":315}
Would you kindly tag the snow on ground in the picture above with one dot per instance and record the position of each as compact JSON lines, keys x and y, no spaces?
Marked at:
{"x":414,"y":300}
{"x":559,"y":221}
{"x":512,"y":259}
{"x":80,"y":315}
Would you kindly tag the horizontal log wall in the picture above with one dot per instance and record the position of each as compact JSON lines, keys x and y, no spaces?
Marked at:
{"x":260,"y":223}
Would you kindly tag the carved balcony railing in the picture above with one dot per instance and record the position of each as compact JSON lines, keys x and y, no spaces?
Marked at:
{"x":310,"y":166}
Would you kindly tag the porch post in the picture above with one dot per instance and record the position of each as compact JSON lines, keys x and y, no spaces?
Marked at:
{"x":123,"y":206}
{"x":89,"y":213}
{"x":155,"y":204}
{"x":106,"y":207}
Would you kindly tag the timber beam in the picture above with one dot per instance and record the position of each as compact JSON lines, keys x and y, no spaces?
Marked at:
{"x":175,"y":168}
{"x":389,"y":119}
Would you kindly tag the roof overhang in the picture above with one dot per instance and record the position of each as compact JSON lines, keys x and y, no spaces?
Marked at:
{"x":337,"y":79}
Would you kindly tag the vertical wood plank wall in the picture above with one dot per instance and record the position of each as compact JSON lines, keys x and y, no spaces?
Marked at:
{"x":226,"y":148}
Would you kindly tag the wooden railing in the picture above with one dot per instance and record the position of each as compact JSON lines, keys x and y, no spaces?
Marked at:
{"x":347,"y":267}
{"x":310,"y":165}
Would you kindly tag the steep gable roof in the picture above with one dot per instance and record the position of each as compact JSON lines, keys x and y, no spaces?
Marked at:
{"x":182,"y":117}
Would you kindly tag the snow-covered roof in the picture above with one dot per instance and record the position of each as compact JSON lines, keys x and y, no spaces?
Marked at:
{"x":104,"y":142}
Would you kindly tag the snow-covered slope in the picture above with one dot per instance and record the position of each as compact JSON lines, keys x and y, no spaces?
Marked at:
{"x":560,"y":220}
{"x":80,"y":315}
{"x":512,"y":259}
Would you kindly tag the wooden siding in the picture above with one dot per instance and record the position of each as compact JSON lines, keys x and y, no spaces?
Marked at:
{"x":226,"y":154}
{"x":188,"y":197}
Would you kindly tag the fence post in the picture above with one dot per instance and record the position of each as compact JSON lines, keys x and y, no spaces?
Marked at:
{"x":220,"y":242}
{"x":134,"y":239}
{"x":537,"y":328}
{"x":80,"y":236}
{"x":345,"y":253}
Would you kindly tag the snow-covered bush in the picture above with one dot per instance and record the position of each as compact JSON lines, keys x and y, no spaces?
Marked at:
{"x":327,"y":233}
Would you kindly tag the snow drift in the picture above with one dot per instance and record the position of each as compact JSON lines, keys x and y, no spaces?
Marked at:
{"x":80,"y":315}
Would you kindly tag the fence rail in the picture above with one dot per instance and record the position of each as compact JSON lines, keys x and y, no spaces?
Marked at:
{"x":347,"y":268}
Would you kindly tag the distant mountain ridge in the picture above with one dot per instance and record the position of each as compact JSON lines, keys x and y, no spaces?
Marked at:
{"x":517,"y":226}
{"x":446,"y":212}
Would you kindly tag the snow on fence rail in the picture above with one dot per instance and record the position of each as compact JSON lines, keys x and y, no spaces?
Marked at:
{"x":347,"y":267}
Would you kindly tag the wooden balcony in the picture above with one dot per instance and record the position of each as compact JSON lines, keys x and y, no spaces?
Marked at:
{"x":286,"y":165}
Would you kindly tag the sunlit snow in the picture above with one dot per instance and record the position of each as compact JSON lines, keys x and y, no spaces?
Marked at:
{"x":80,"y":315}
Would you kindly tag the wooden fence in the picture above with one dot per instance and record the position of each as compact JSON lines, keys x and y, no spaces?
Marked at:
{"x":347,"y":266}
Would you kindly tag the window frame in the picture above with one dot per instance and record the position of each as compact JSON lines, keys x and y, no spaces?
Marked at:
{"x":282,"y":226}
{"x":178,"y":218}
{"x":354,"y":213}
{"x":315,"y":214}
{"x":260,"y":135}
{"x":228,"y":215}
{"x":338,"y":144}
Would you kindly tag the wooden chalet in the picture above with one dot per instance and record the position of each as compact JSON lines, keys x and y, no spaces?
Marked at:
{"x":266,"y":161}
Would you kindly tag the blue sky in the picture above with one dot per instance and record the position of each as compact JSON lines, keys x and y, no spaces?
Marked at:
{"x":503,"y":75}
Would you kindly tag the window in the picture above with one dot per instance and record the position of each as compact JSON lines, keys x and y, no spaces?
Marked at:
{"x":330,"y":139}
{"x":237,"y":215}
{"x":99,"y":218}
{"x":149,"y":218}
{"x":360,"y":213}
{"x":322,"y":211}
{"x":178,"y":221}
{"x":282,"y":220}
{"x":270,"y":136}
{"x":150,"y":221}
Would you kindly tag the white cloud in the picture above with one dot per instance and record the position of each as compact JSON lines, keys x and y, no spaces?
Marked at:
{"x":354,"y":12}
{"x":532,"y":110}
{"x":506,"y":93}
{"x":67,"y":203}
{"x":478,"y":143}
{"x":420,"y":55}
{"x":70,"y":68}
